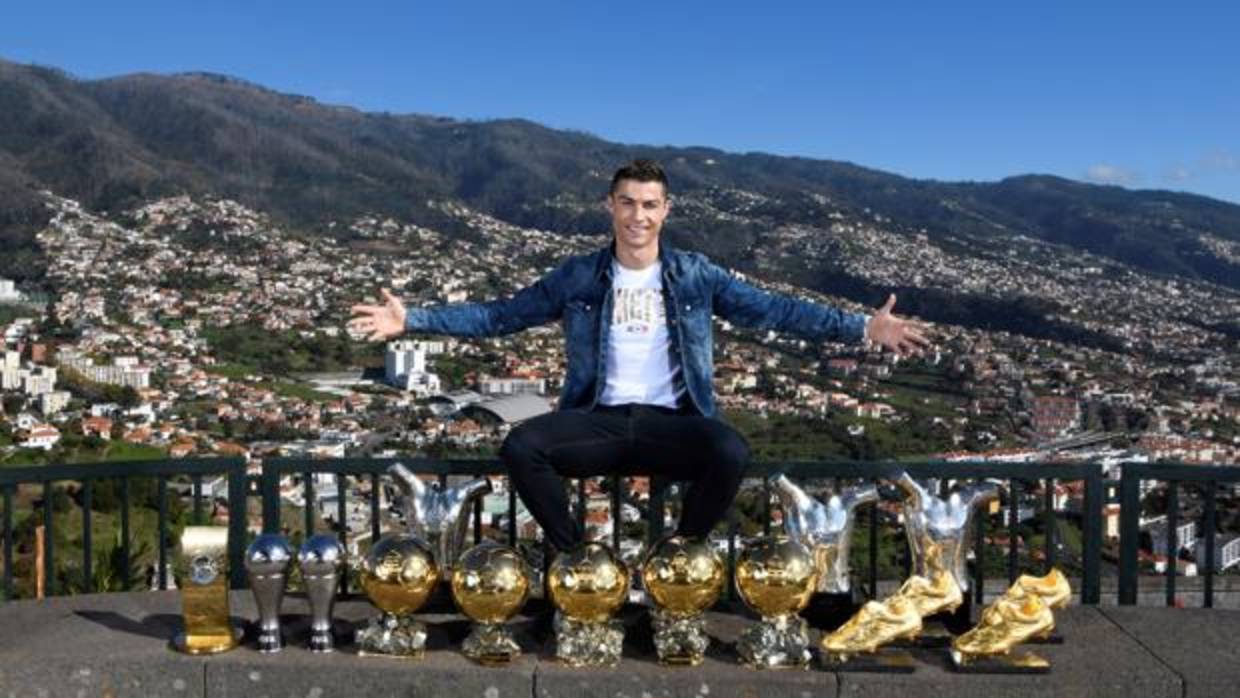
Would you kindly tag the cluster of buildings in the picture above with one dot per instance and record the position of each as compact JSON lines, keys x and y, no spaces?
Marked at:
{"x":142,"y":292}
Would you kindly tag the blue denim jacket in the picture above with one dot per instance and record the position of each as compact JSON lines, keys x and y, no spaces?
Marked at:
{"x":578,"y":293}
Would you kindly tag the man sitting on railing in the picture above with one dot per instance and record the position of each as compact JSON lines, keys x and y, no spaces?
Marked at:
{"x":637,"y":325}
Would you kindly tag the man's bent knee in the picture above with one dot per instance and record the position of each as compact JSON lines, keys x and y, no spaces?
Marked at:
{"x":731,"y":452}
{"x":520,"y":448}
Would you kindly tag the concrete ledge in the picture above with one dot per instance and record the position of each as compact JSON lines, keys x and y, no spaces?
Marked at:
{"x":117,"y":645}
{"x":1201,"y":646}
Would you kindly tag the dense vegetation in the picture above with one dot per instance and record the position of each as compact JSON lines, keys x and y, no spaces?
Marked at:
{"x":279,"y":353}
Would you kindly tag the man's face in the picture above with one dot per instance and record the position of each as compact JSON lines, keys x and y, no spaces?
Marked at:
{"x":638,"y":210}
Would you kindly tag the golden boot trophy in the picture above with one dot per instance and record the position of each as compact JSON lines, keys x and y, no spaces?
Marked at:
{"x":776,"y":577}
{"x":1010,"y":621}
{"x":203,"y":568}
{"x":684,"y":578}
{"x":856,"y":645}
{"x":1052,"y":587}
{"x":588,"y":585}
{"x":490,"y":584}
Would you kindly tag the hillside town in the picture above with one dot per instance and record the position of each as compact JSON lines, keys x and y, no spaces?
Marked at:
{"x":144,"y":349}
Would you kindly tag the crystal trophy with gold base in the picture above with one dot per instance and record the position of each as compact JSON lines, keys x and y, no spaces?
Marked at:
{"x":684,"y":577}
{"x":490,"y":584}
{"x":588,"y":585}
{"x":938,"y":528}
{"x":824,"y":527}
{"x":438,"y":514}
{"x":776,"y":577}
{"x":203,"y":567}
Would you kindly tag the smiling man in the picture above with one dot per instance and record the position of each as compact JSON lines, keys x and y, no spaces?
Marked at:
{"x":638,"y":395}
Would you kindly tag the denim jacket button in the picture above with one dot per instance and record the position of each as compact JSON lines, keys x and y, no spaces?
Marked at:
{"x":688,"y":307}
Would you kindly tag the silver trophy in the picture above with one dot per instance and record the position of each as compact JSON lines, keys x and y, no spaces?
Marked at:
{"x":823,"y":527}
{"x":321,"y":559}
{"x":938,"y":528}
{"x":437,"y":514}
{"x":267,"y":562}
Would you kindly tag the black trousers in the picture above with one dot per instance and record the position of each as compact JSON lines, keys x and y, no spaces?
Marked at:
{"x":609,"y":440}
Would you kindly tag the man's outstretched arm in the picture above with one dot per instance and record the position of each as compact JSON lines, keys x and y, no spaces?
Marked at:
{"x":533,"y":305}
{"x":749,"y":306}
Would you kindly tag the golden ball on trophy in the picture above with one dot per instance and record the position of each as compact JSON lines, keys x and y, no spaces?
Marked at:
{"x":684,"y":576}
{"x":589,"y":583}
{"x":776,"y":576}
{"x":399,"y":574}
{"x":490,"y":583}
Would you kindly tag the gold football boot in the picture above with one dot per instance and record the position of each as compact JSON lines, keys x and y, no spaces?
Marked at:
{"x":875,"y":625}
{"x":1005,"y":624}
{"x":931,"y":596}
{"x":1052,"y":587}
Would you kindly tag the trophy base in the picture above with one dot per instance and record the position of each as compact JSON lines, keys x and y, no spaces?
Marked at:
{"x":831,"y":609}
{"x":679,"y":640}
{"x":1013,"y":663}
{"x":587,"y":644}
{"x":322,"y":642}
{"x":778,"y":642}
{"x":934,"y":635}
{"x":884,"y":661}
{"x":390,"y":635}
{"x":491,"y":645}
{"x":269,"y":642}
{"x":213,"y":643}
{"x":1053,"y":639}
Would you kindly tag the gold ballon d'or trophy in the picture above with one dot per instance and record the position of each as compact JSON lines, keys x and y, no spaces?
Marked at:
{"x":588,"y":585}
{"x":684,"y":576}
{"x":203,"y":569}
{"x":490,"y":583}
{"x":398,"y":575}
{"x":776,"y":577}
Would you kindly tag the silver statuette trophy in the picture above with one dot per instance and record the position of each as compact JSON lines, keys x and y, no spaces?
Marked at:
{"x":321,"y":559}
{"x":267,"y":562}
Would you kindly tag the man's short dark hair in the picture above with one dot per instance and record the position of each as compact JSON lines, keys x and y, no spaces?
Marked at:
{"x":640,"y":171}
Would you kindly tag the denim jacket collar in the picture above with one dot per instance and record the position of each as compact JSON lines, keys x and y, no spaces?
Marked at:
{"x":668,"y":258}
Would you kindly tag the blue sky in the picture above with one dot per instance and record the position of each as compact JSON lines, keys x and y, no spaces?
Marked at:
{"x":1131,"y":93}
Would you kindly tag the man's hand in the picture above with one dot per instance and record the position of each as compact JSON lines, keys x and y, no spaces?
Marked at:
{"x":379,"y":322}
{"x":901,"y":336}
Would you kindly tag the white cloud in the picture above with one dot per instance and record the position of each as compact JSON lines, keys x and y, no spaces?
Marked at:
{"x":1219,"y":161}
{"x":1212,"y":163}
{"x":1177,"y":173}
{"x":1103,"y":173}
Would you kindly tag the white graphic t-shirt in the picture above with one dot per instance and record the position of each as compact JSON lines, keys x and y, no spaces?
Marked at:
{"x":640,"y":367}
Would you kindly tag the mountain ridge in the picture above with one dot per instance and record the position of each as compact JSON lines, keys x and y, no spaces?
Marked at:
{"x":117,"y":141}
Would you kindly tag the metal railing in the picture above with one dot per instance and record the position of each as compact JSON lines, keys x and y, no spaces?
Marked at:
{"x":1018,"y":482}
{"x":123,"y":473}
{"x":1207,"y":478}
{"x":1016,"y":477}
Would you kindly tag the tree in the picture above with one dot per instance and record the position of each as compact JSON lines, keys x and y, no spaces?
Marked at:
{"x":128,"y":398}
